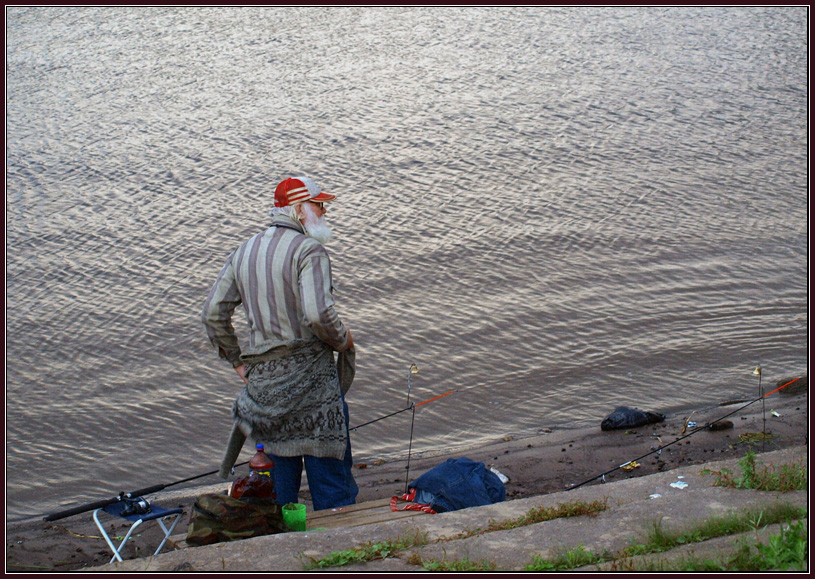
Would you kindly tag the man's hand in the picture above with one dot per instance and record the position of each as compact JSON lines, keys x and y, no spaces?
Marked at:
{"x":241,"y":370}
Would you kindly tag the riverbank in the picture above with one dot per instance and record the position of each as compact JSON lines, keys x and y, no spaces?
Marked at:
{"x":550,"y":461}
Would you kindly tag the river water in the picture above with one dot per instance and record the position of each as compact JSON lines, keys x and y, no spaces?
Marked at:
{"x":551,"y":211}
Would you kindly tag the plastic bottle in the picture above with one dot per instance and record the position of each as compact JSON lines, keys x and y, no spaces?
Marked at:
{"x":260,"y":482}
{"x":261,"y":463}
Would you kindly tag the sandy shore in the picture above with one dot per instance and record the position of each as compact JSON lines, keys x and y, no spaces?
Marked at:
{"x":551,"y":460}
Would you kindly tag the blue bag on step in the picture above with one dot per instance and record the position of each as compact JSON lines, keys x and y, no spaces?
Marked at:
{"x":458,"y":483}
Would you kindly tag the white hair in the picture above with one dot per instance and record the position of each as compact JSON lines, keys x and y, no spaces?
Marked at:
{"x":315,"y":226}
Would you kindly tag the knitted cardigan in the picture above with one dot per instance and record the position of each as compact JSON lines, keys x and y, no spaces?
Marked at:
{"x":293,"y":404}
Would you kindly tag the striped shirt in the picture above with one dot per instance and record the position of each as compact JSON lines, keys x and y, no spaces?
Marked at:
{"x":283,"y":279}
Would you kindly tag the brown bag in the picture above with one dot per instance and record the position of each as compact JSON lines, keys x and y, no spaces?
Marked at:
{"x":218,"y":518}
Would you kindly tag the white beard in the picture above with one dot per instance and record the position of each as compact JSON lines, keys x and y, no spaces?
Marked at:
{"x":316,"y":227}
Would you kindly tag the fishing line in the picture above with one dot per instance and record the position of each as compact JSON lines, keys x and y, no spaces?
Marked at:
{"x":414,"y":369}
{"x":413,"y":418}
{"x":412,"y":407}
{"x":410,"y":446}
{"x":381,"y":418}
{"x":691,"y":433}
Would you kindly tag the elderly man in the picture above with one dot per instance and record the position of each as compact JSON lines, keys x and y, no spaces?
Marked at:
{"x":292,"y":400}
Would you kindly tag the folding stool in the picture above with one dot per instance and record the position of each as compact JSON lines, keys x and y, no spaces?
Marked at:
{"x":156,"y":513}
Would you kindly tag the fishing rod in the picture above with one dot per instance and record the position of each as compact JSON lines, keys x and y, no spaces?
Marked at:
{"x":692,"y":432}
{"x":159,"y":487}
{"x":409,"y":407}
{"x":412,"y":407}
{"x":122,"y":496}
{"x":413,"y":417}
{"x":412,"y":370}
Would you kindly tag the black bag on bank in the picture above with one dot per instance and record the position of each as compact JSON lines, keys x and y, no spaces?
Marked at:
{"x":218,"y":518}
{"x":624,"y":417}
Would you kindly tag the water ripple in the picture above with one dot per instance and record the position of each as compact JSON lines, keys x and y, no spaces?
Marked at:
{"x":553,"y":211}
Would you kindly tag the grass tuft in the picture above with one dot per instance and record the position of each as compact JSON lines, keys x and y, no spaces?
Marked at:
{"x":565,"y":561}
{"x":542,"y":514}
{"x":785,"y":478}
{"x":788,"y":550}
{"x":458,"y":566}
{"x":368,"y":552}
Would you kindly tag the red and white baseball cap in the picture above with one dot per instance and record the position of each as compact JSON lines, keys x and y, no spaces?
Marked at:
{"x":298,"y":190}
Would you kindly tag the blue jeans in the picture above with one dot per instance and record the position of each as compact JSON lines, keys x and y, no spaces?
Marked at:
{"x":330,"y":480}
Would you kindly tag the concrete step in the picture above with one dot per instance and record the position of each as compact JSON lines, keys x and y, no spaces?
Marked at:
{"x":360,"y":514}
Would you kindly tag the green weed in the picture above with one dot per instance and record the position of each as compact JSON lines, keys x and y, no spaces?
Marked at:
{"x":787,"y":550}
{"x":457,"y":566}
{"x":541,"y":514}
{"x":368,"y":552}
{"x":659,"y":539}
{"x":785,"y":478}
{"x":570,"y":559}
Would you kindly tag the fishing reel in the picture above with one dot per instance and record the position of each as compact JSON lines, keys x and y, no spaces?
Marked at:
{"x":135,"y":506}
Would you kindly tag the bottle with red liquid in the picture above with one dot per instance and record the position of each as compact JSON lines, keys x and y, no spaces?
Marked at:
{"x":261,"y":463}
{"x":260,"y":482}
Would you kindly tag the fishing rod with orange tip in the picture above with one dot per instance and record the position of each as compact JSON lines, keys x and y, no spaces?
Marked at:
{"x":412,"y":407}
{"x":409,"y":407}
{"x":707,"y":426}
